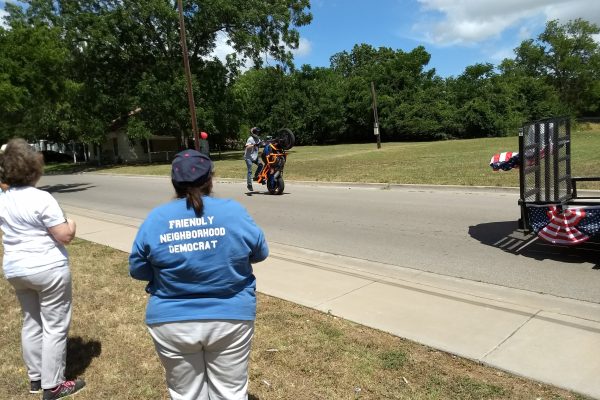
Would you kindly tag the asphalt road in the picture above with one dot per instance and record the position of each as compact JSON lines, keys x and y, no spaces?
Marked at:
{"x":460,"y":232}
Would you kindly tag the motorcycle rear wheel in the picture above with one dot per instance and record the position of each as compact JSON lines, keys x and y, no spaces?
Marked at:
{"x":277,"y":187}
{"x":280,"y":185}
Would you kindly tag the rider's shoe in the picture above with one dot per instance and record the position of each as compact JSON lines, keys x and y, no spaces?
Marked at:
{"x":250,"y":188}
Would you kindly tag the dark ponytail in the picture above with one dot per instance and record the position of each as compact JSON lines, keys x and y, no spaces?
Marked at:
{"x":193,"y":194}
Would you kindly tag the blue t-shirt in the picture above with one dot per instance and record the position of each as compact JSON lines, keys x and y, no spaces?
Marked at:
{"x":198,"y":267}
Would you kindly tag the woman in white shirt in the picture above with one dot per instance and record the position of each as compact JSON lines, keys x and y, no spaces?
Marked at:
{"x":35,"y":232}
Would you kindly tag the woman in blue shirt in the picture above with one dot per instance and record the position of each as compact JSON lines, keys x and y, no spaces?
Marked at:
{"x":196,"y":254}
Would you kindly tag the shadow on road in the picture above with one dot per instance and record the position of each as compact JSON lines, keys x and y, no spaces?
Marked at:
{"x":263,"y":193}
{"x":505,"y":236}
{"x":72,"y":187}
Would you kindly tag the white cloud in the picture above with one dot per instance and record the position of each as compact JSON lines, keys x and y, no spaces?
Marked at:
{"x":588,"y":10}
{"x":304,"y":48}
{"x":500,"y":54}
{"x":447,"y":22}
{"x":2,"y":20}
{"x":222,"y":49}
{"x":524,"y":33}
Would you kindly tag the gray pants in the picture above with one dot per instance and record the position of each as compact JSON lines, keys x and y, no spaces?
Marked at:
{"x":46,"y":304}
{"x":205,"y":359}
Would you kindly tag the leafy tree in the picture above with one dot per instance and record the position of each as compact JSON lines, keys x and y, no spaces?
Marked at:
{"x":405,"y":90}
{"x":319,"y":93}
{"x":126,"y":55}
{"x":136,"y":43}
{"x":35,"y":85}
{"x":485,"y":103}
{"x":535,"y":98}
{"x":568,"y":58}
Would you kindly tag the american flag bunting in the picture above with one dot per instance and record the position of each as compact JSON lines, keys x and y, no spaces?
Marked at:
{"x":564,"y":225}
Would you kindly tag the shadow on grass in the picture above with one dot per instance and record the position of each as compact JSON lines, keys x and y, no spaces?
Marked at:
{"x":505,"y":236}
{"x":72,"y":187}
{"x":80,"y":353}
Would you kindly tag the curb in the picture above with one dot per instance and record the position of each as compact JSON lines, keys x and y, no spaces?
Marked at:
{"x":377,"y":186}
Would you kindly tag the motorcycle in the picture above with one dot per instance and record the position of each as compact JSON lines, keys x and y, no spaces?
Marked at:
{"x":274,"y":157}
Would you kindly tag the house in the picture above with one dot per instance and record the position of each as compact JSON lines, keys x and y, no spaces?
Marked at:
{"x":118,"y":148}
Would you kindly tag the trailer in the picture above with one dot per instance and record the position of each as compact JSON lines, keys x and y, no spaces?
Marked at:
{"x":550,"y":204}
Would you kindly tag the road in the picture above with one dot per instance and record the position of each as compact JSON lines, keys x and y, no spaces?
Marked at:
{"x":460,"y":232}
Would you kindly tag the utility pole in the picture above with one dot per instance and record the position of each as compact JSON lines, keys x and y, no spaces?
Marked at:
{"x":188,"y":75}
{"x":376,"y":122}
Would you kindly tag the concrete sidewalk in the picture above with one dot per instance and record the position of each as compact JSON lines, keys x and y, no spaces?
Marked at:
{"x":545,"y":338}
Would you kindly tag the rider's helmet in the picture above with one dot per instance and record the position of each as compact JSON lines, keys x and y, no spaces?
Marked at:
{"x":255,"y":131}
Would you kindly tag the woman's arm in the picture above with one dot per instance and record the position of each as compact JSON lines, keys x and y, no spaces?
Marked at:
{"x":65,"y":232}
{"x":261,"y":250}
{"x":139,"y":265}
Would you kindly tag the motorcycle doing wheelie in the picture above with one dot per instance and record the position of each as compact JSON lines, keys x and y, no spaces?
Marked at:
{"x":274,"y":156}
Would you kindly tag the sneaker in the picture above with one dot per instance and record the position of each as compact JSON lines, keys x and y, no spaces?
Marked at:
{"x":250,"y":188}
{"x":255,"y":178}
{"x":35,"y":387}
{"x":65,"y":389}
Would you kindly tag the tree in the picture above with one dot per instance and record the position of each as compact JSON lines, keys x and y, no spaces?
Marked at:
{"x":485,"y":103}
{"x":136,"y":44}
{"x":535,"y":97}
{"x":36,"y":89}
{"x":319,"y":93}
{"x":568,"y":58}
{"x":126,"y":55}
{"x":405,"y":90}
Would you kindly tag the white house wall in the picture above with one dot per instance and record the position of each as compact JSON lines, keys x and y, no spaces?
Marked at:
{"x":134,"y":153}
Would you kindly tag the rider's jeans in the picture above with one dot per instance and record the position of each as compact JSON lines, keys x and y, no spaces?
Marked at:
{"x":249,"y":166}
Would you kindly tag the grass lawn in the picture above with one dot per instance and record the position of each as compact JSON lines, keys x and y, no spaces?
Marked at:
{"x":456,"y":162}
{"x":298,"y":353}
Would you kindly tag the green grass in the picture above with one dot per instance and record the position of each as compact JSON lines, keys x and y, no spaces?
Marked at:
{"x":456,"y":162}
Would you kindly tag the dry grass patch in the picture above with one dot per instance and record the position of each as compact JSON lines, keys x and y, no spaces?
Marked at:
{"x":298,"y":353}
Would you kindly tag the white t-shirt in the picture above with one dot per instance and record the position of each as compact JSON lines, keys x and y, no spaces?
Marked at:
{"x":251,"y":153}
{"x":26,"y":213}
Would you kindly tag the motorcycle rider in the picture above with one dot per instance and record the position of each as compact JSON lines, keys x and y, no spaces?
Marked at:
{"x":251,"y":156}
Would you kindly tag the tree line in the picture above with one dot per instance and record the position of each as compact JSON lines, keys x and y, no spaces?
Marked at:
{"x":77,"y":69}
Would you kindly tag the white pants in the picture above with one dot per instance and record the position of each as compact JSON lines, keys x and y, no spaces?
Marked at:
{"x":46,"y":304}
{"x":205,"y":359}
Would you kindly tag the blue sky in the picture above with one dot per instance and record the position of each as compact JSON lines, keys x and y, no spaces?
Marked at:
{"x":457,"y":33}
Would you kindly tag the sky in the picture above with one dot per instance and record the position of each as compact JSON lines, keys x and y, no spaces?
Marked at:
{"x":457,"y":33}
